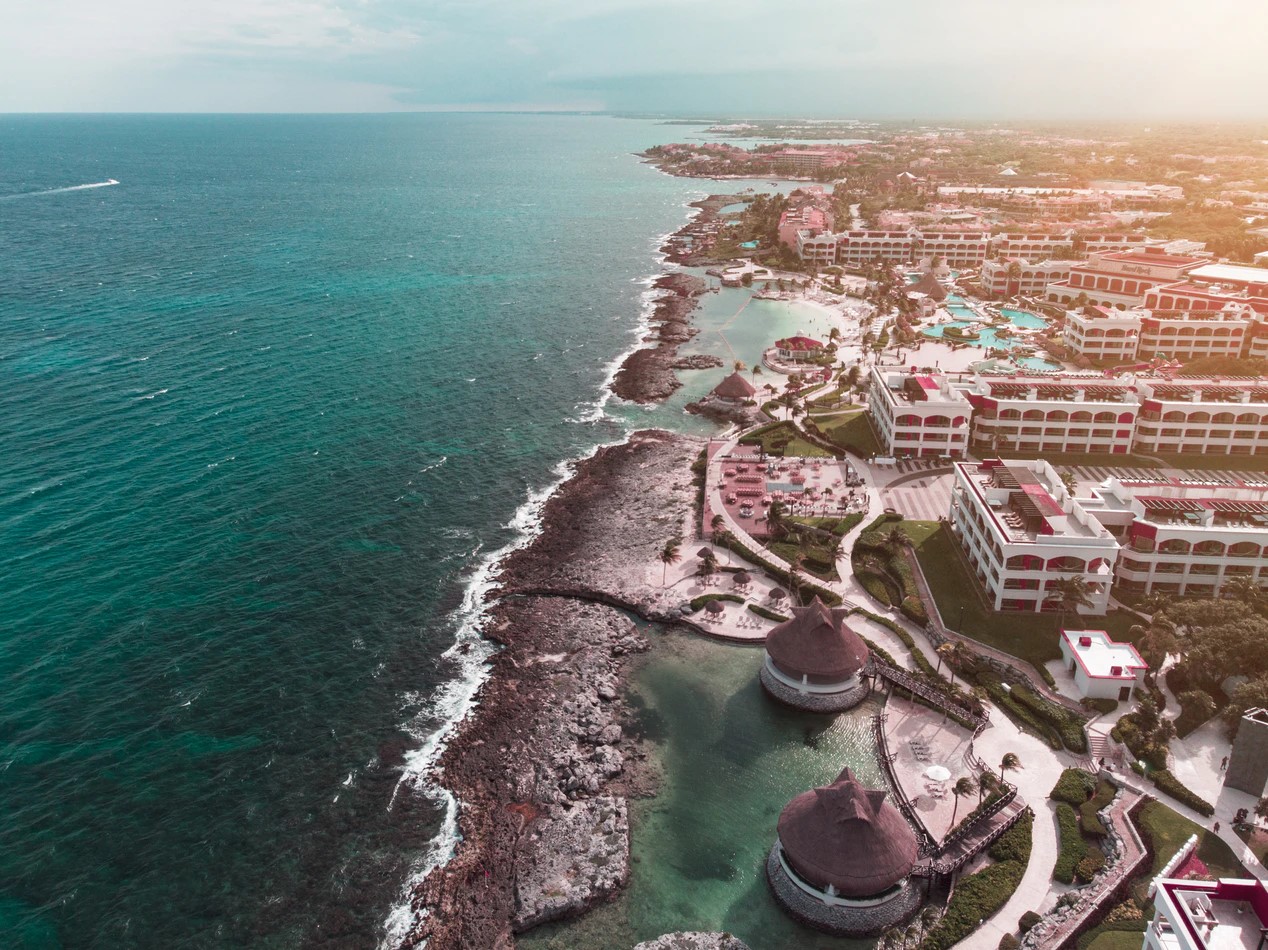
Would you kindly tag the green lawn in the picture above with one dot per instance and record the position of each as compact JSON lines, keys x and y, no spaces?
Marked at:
{"x":961,"y":601}
{"x":853,"y":433}
{"x":1257,"y":841}
{"x":779,"y":438}
{"x":1117,"y":940}
{"x":1166,"y":830}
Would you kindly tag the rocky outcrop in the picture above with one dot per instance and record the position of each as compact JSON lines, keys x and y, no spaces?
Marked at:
{"x":647,"y":375}
{"x":724,"y":410}
{"x":544,"y":767}
{"x":574,"y":855}
{"x":695,"y":940}
{"x":698,"y":361}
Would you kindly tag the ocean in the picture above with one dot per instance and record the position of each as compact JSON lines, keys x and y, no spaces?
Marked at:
{"x":267,"y":406}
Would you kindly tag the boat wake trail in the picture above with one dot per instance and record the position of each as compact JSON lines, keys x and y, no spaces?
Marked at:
{"x":58,"y":191}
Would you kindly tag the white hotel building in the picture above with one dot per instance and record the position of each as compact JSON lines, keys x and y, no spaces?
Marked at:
{"x":1111,"y":336}
{"x":1087,"y":414}
{"x":1202,"y":416}
{"x":1029,"y":280}
{"x":1121,"y":279}
{"x":1228,"y":914}
{"x":1022,"y":533}
{"x":918,"y":414}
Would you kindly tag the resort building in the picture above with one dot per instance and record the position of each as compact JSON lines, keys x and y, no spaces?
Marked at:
{"x":917,"y":414}
{"x":816,"y":246}
{"x":1022,"y":534}
{"x":1186,"y":538}
{"x":864,"y":247}
{"x":1102,"y":334}
{"x":1102,"y":668}
{"x":1089,"y":414}
{"x":1100,"y":243}
{"x":1011,"y":276}
{"x":1030,"y":245}
{"x":957,"y":248}
{"x":1202,"y":416}
{"x":843,"y":859}
{"x":1228,"y":914}
{"x":807,"y":217}
{"x":814,"y":661}
{"x":1121,"y":279}
{"x":797,"y":348}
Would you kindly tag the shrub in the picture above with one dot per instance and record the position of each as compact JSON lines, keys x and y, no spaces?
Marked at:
{"x":1102,"y":706}
{"x":1092,"y":862}
{"x":767,"y":614}
{"x":980,"y":895}
{"x":1073,"y":847}
{"x":1068,"y":725}
{"x":875,"y":587}
{"x":1168,"y":783}
{"x":1073,"y":787}
{"x":1009,"y":942}
{"x":1027,"y":921}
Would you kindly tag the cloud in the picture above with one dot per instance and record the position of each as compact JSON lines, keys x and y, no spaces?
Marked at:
{"x":924,"y":57}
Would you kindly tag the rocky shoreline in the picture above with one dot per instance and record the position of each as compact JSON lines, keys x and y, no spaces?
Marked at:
{"x":545,"y":766}
{"x":647,"y":375}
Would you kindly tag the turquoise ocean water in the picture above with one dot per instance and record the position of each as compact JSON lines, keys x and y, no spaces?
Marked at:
{"x":267,"y":405}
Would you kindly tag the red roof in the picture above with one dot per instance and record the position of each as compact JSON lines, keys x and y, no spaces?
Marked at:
{"x":798,"y":343}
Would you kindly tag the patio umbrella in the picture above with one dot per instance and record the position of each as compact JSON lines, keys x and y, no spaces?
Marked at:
{"x":939,"y":773}
{"x":741,"y":579}
{"x":778,"y":594}
{"x":704,"y":553}
{"x":715,"y":607}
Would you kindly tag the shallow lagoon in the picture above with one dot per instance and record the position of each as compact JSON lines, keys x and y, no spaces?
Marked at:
{"x":732,"y":759}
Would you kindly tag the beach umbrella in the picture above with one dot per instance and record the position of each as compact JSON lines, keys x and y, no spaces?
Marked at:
{"x":778,"y":594}
{"x":705,"y":553}
{"x":741,"y":579}
{"x":714,"y":607}
{"x":939,"y":773}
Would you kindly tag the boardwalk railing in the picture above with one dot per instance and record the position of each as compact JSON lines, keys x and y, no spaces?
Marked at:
{"x":936,"y":698}
{"x":927,"y":842}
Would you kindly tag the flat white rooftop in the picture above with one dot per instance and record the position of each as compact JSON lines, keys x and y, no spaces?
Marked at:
{"x":1238,"y":272}
{"x":1101,"y":657}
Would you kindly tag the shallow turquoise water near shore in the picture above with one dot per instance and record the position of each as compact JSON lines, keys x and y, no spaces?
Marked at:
{"x":732,"y":758}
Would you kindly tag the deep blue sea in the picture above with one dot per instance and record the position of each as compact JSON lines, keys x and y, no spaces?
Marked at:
{"x":266,"y":405}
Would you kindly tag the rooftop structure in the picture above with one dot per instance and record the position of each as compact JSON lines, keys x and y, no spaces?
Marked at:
{"x":1011,"y":276}
{"x":1109,"y":335}
{"x":842,"y":859}
{"x":814,"y":659}
{"x":1248,"y":761}
{"x":1235,"y":275}
{"x":797,"y":347}
{"x":1229,"y":914}
{"x":1102,"y":668}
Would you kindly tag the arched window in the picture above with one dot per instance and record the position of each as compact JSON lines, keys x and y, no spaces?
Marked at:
{"x":1243,"y":549}
{"x":1209,"y":548}
{"x":1058,"y":415}
{"x":1174,"y":546}
{"x":1067,"y":563}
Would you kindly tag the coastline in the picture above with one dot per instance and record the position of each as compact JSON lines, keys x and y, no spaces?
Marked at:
{"x":534,"y":789}
{"x":647,"y":374}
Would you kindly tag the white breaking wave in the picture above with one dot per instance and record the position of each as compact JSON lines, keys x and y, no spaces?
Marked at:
{"x":455,"y":699}
{"x":58,"y":191}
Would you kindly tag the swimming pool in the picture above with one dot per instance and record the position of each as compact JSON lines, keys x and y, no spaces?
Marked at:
{"x":784,"y":486}
{"x":1023,"y":319}
{"x":1035,"y":362}
{"x":749,"y":244}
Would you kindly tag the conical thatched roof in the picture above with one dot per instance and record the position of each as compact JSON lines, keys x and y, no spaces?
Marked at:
{"x":734,"y":386}
{"x":929,"y":286}
{"x":847,"y":835}
{"x":816,"y":642}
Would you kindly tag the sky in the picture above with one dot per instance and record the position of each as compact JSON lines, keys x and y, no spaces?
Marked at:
{"x":970,"y":59}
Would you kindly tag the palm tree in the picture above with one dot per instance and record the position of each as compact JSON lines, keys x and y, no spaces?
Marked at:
{"x":739,"y":366}
{"x":716,"y":523}
{"x":895,"y":539}
{"x":944,"y":652}
{"x":1008,"y":763}
{"x":794,"y":581}
{"x":986,"y":782}
{"x":963,"y":787}
{"x":669,"y":554}
{"x":1070,"y":593}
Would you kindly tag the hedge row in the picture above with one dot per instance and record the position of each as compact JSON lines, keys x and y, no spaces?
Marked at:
{"x":1168,"y":783}
{"x":698,"y":602}
{"x":1003,"y":698}
{"x":1069,"y":725}
{"x":980,"y":895}
{"x":1073,"y":847}
{"x":767,"y":614}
